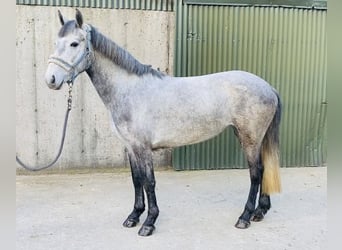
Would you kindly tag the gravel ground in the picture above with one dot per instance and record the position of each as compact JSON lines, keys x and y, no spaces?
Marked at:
{"x":198,"y":210}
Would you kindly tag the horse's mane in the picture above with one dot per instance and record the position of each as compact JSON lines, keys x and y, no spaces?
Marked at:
{"x":120,"y":56}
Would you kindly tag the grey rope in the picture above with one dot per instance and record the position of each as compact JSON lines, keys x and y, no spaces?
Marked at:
{"x":38,"y":168}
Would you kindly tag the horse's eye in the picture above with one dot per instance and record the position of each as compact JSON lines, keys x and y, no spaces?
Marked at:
{"x":74,"y":44}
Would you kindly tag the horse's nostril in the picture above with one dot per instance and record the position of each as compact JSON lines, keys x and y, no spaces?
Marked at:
{"x":53,"y":79}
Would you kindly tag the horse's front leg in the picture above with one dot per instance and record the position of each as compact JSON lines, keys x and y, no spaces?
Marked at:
{"x":149,"y":186}
{"x":138,"y":174}
{"x":143,"y":178}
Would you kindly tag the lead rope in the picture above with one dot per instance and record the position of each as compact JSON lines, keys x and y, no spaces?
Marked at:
{"x":37,"y":168}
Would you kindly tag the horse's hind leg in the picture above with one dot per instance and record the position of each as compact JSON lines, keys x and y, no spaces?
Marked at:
{"x":255,"y":171}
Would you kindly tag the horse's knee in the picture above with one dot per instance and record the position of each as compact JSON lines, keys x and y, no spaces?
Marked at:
{"x":149,"y":184}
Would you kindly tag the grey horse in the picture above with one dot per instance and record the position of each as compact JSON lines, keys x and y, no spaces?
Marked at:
{"x":150,"y":110}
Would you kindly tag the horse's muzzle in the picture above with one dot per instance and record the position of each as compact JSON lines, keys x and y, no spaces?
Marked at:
{"x":52,"y":82}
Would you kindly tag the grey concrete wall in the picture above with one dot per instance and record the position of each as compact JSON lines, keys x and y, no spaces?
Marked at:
{"x":90,"y":142}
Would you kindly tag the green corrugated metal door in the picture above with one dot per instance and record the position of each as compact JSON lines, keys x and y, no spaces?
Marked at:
{"x":286,"y":46}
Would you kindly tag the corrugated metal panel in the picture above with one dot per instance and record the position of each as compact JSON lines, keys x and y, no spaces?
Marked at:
{"x":158,"y":5}
{"x":315,"y":4}
{"x":285,"y":46}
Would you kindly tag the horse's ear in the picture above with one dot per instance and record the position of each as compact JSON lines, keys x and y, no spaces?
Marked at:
{"x":61,"y":18}
{"x":79,"y":18}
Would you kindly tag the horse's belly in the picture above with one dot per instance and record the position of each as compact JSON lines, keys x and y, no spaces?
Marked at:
{"x":186,"y":134}
{"x":193,"y":119}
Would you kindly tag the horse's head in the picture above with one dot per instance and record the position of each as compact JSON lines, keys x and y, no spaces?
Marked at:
{"x":73,"y":53}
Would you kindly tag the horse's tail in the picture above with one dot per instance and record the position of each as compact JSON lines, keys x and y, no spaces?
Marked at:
{"x":270,"y":155}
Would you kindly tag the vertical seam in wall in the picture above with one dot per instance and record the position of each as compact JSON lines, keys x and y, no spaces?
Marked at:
{"x":82,"y":104}
{"x":168,"y":71}
{"x":36,"y":143}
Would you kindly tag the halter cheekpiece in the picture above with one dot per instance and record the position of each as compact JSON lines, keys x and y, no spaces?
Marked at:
{"x":71,"y":68}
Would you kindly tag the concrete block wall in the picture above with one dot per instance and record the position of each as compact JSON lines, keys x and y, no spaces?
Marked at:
{"x":90,"y":141}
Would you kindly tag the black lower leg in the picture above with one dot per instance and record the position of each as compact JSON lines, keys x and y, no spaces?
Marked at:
{"x":255,"y":177}
{"x":153,"y":210}
{"x":139,"y":205}
{"x":244,"y":219}
{"x":263,"y":206}
{"x":264,"y":203}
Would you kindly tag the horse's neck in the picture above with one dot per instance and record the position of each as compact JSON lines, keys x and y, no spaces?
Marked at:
{"x":107,"y":78}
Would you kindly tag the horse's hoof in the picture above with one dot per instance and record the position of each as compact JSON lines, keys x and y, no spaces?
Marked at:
{"x":130,"y":223}
{"x":258,"y":215}
{"x":242,"y":224}
{"x":146,"y":230}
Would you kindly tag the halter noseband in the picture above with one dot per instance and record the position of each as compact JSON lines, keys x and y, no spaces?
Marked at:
{"x":71,"y":68}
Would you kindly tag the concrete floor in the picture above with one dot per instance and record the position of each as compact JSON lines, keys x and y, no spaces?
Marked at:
{"x":198,"y":210}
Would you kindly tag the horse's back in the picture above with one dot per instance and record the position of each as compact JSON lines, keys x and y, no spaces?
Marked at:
{"x":236,"y":91}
